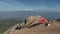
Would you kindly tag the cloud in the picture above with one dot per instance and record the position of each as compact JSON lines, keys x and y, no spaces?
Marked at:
{"x":38,"y":4}
{"x":12,"y":2}
{"x":27,"y":9}
{"x":5,"y":4}
{"x":24,"y":9}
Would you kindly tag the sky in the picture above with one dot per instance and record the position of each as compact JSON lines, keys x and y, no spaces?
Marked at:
{"x":9,"y":5}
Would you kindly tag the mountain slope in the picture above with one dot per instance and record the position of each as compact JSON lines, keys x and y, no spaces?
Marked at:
{"x":39,"y":29}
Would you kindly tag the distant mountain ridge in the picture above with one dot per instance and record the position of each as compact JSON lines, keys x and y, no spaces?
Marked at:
{"x":24,"y":14}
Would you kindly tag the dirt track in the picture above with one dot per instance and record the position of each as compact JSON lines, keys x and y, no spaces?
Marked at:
{"x":39,"y":29}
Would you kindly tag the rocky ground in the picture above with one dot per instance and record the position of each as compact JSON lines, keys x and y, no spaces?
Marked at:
{"x":38,"y":29}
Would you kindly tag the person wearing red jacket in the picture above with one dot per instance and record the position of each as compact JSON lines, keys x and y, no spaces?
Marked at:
{"x":43,"y":20}
{"x":38,"y":21}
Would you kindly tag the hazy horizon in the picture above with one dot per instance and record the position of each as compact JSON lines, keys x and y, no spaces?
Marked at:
{"x":24,"y":14}
{"x":22,"y":8}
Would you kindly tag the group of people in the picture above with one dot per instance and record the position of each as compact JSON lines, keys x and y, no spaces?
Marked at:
{"x":34,"y":20}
